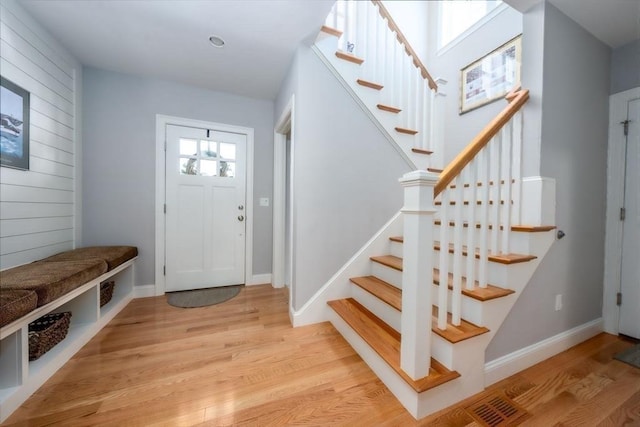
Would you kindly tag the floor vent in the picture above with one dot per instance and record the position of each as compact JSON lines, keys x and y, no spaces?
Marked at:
{"x":497,"y":410}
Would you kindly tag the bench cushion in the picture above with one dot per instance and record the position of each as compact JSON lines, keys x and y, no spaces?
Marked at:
{"x":16,"y":303}
{"x":51,"y":280}
{"x":113,"y":255}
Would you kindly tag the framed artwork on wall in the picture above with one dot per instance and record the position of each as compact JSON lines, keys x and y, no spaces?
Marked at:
{"x":14,"y":125}
{"x":491,"y":77}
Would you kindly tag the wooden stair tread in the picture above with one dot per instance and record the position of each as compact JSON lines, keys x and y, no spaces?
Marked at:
{"x":372,"y":85}
{"x":479,"y":184}
{"x":331,"y":31}
{"x":393,"y":296}
{"x":388,"y":260}
{"x":435,"y":170}
{"x":405,"y":130}
{"x":388,"y":108}
{"x":421,"y":151}
{"x":349,"y":57}
{"x":385,"y":341}
{"x":520,"y":227}
{"x":466,"y":202}
{"x":499,"y":258}
{"x":481,"y":294}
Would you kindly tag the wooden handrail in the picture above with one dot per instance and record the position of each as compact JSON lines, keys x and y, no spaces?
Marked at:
{"x":402,"y":39}
{"x":481,"y":140}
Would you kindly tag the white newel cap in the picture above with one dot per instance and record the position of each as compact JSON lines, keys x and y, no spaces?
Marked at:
{"x":419,"y":178}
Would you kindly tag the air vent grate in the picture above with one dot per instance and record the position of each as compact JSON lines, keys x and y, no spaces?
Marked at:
{"x":497,"y":410}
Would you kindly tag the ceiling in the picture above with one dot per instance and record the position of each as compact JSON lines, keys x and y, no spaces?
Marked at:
{"x":169,"y":39}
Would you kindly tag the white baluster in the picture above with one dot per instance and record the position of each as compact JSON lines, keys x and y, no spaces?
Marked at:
{"x":443,"y":264}
{"x":456,"y":296}
{"x":472,"y":178}
{"x":506,"y":216}
{"x":517,"y":167}
{"x":360,"y":21}
{"x":426,"y":115}
{"x":484,"y":217}
{"x":494,"y":150}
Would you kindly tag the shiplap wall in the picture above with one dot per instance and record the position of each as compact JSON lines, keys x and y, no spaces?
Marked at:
{"x":39,"y":208}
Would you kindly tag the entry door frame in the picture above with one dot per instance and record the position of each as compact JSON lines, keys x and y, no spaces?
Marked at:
{"x":161,"y":125}
{"x":616,"y":162}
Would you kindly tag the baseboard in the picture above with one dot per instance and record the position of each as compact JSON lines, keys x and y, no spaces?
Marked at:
{"x":519,"y":360}
{"x":259,"y":279}
{"x":144,"y":291}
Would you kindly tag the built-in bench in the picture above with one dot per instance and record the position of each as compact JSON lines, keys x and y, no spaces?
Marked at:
{"x":68,"y":281}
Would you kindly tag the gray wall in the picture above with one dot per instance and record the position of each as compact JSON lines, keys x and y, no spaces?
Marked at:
{"x":625,"y":67}
{"x":574,"y":151}
{"x":460,"y":129}
{"x":119,"y":157}
{"x":345,"y":175}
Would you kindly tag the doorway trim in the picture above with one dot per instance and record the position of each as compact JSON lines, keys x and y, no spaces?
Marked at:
{"x":616,"y":162}
{"x":161,"y":124}
{"x":284,"y":125}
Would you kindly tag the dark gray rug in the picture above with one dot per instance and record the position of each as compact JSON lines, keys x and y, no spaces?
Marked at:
{"x":630,"y":356}
{"x":202,"y":297}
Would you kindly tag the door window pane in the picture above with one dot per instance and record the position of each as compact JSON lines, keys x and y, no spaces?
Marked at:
{"x":188,"y":166}
{"x":228,"y":151}
{"x":208,"y":167}
{"x":227,"y":169}
{"x":208,"y":149}
{"x":188,"y":147}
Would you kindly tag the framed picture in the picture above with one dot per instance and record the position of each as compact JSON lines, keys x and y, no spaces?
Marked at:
{"x":14,"y":125}
{"x":491,"y":77}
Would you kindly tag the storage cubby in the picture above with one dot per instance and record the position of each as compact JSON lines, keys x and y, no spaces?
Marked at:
{"x":19,"y":378}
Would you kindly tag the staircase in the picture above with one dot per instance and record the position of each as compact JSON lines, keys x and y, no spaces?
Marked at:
{"x":421,"y":301}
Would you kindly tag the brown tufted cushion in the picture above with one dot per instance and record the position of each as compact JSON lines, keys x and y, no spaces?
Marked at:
{"x":51,"y":280}
{"x":16,"y":303}
{"x":113,"y":255}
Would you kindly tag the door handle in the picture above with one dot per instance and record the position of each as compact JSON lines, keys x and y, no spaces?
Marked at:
{"x":240,"y":218}
{"x":241,"y":207}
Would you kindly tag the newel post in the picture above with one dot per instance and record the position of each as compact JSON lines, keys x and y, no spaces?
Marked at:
{"x":417,"y":272}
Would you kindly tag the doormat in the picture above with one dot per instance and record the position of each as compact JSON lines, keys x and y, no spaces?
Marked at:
{"x":497,"y":410}
{"x":202,"y":297}
{"x":630,"y":356}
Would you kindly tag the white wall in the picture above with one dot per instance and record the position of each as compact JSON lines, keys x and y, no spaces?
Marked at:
{"x":410,"y":17}
{"x":119,"y":157}
{"x":345,"y":174}
{"x":40,"y":208}
{"x":574,"y":127}
{"x":625,"y":67}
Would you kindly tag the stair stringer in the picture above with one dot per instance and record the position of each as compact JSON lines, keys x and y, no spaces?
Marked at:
{"x":338,"y":286}
{"x":347,"y":74}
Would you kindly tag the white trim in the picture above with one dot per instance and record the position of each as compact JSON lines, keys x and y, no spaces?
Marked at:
{"x":466,"y":33}
{"x":515,"y":362}
{"x":259,"y":279}
{"x":615,"y":189}
{"x":144,"y":291}
{"x":161,"y":123}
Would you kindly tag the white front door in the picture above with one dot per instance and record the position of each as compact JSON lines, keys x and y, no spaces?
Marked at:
{"x":630,"y":265}
{"x":205,"y":208}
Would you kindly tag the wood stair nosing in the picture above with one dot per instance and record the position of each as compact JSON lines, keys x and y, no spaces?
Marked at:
{"x":331,"y":31}
{"x":479,"y":184}
{"x":349,"y":57}
{"x":371,"y":85}
{"x":421,"y":151}
{"x":435,"y":170}
{"x":393,"y":297}
{"x":477,"y":293}
{"x":467,"y":203}
{"x":507,"y":259}
{"x":405,"y":130}
{"x":388,"y":108}
{"x":385,"y":341}
{"x":519,"y":227}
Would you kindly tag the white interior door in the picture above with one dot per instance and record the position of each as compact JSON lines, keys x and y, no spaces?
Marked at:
{"x":205,"y":208}
{"x":630,"y":264}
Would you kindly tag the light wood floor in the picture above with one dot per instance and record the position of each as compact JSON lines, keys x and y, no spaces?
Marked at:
{"x":241,"y":363}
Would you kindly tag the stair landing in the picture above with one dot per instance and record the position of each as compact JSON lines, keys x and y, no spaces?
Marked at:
{"x":385,"y":341}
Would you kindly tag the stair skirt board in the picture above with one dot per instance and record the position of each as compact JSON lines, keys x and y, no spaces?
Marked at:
{"x":418,"y":405}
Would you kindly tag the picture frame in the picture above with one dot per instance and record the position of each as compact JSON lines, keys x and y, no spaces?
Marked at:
{"x":491,"y":77}
{"x":14,"y":125}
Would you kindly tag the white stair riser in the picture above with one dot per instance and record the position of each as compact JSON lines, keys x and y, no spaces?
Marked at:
{"x":388,"y":274}
{"x":519,"y":242}
{"x":384,"y":311}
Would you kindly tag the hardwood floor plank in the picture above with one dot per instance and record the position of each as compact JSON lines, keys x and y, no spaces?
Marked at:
{"x":241,"y":363}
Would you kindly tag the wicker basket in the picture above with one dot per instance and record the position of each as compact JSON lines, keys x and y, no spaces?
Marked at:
{"x":46,"y":332}
{"x":106,"y":292}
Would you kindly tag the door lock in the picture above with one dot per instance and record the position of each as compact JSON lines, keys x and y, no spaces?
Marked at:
{"x":240,"y":218}
{"x":241,"y":207}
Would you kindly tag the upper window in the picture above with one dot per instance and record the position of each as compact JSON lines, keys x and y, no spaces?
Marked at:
{"x":457,"y":16}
